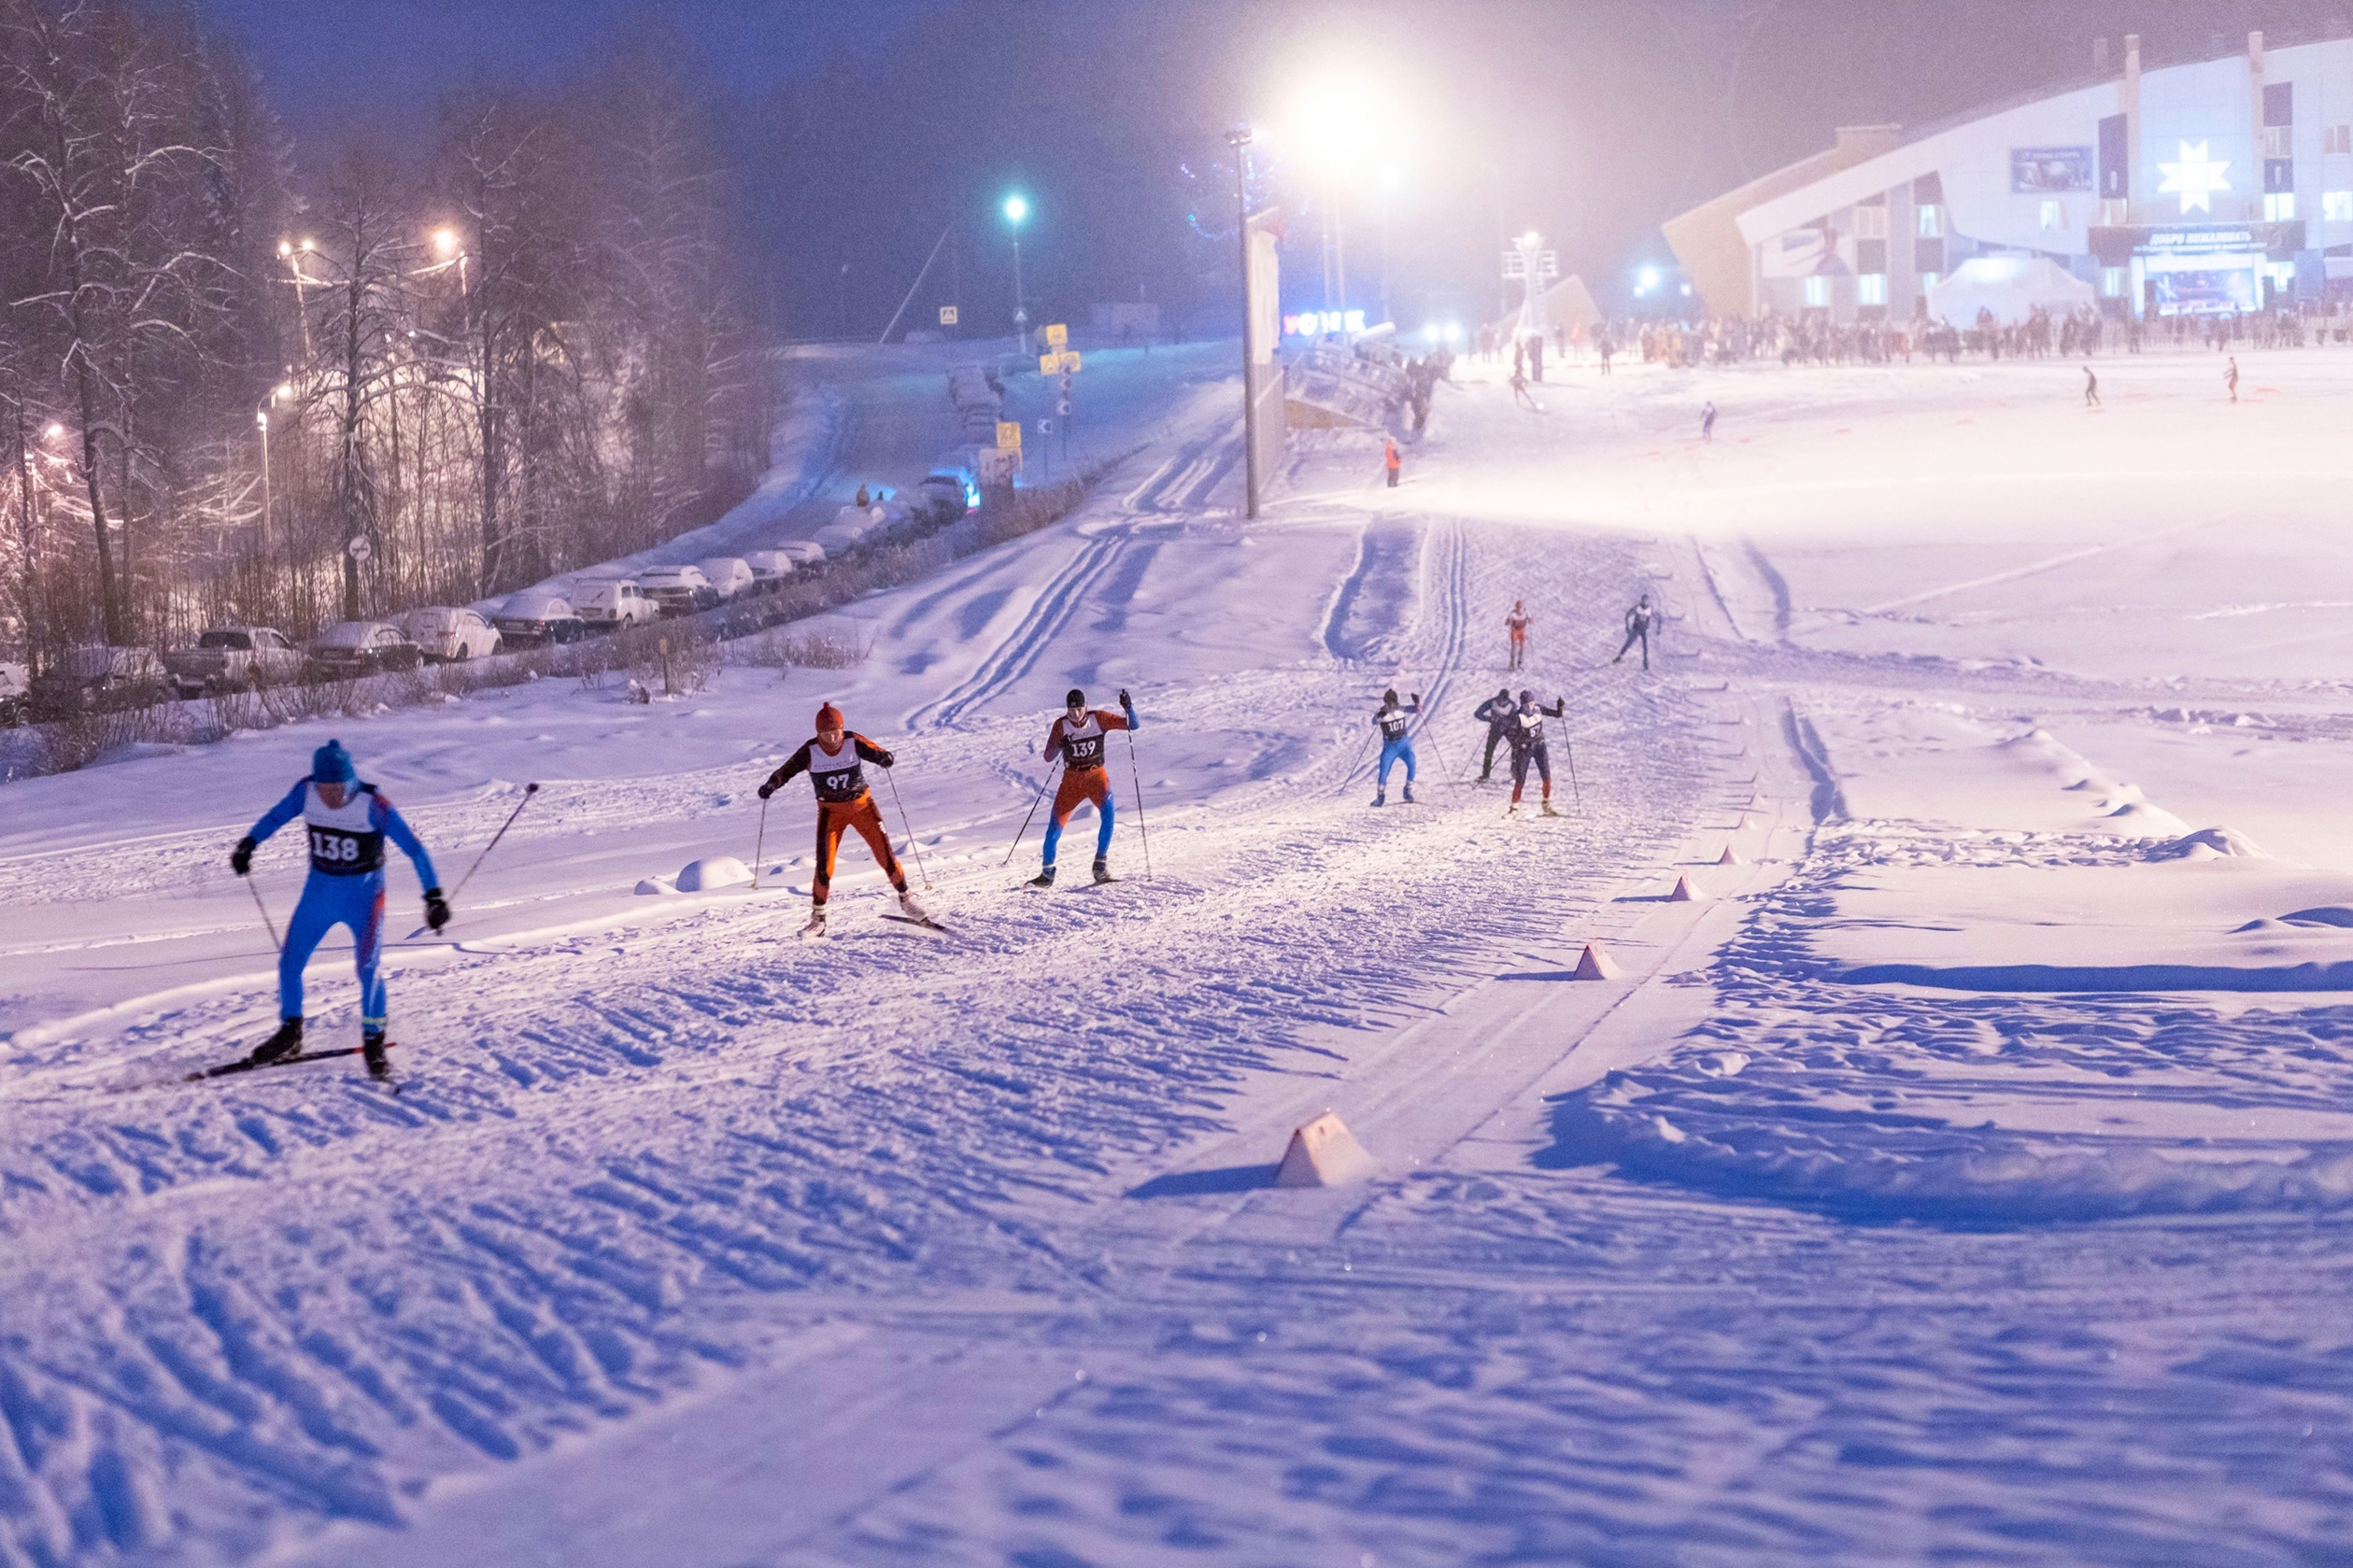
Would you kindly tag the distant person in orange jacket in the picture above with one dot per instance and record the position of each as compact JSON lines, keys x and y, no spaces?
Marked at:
{"x":1391,"y":459}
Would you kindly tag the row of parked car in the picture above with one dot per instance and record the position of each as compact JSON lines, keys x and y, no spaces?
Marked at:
{"x":230,"y":658}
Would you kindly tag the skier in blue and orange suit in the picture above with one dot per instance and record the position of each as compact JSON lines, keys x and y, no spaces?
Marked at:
{"x":1078,"y":738}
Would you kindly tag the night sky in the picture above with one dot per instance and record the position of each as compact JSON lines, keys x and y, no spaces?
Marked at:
{"x":855,"y":130}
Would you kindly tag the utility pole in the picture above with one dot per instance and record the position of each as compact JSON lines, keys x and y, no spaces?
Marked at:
{"x":1239,"y":139}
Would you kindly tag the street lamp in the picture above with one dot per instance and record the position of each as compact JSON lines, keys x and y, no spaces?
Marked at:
{"x":1239,"y":139}
{"x":1016,"y":210}
{"x":262,"y":420}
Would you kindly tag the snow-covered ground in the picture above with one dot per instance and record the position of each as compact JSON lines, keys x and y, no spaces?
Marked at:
{"x":1963,"y":1177}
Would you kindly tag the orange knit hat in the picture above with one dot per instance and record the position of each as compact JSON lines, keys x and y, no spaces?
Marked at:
{"x":830,"y":717}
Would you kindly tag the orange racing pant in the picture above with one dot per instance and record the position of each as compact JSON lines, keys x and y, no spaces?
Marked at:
{"x":864,"y":816}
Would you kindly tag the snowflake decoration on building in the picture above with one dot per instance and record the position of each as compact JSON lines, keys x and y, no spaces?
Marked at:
{"x":2195,"y":178}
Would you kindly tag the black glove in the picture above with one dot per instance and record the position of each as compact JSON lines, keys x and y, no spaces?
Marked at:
{"x":241,"y":857}
{"x":1122,"y":700}
{"x":436,"y":908}
{"x":766,"y":790}
{"x":1417,"y":699}
{"x":888,"y":759}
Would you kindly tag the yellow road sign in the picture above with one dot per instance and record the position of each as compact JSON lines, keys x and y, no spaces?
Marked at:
{"x":1049,"y":364}
{"x":1009,"y":435}
{"x":947,"y":315}
{"x":1070,"y":362}
{"x":1058,"y":336}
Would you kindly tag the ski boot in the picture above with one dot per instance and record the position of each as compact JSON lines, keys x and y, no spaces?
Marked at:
{"x":1103,"y":870}
{"x":372,"y":1048}
{"x":1512,"y":809}
{"x":1408,"y":792}
{"x":912,"y":910}
{"x":1548,"y":811}
{"x":1043,"y":879}
{"x":1381,"y":797}
{"x":816,"y":928}
{"x":284,"y":1046}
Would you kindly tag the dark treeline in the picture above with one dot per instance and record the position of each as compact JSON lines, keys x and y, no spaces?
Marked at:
{"x":515,"y":351}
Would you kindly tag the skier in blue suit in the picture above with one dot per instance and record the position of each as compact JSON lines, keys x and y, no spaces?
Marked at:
{"x":348,"y":822}
{"x":1396,"y":745}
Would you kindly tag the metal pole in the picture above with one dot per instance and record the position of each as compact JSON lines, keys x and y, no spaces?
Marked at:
{"x":918,"y":284}
{"x":529,"y":790}
{"x":759,"y":848}
{"x":261,"y":418}
{"x":1238,"y":138}
{"x":1033,"y":810}
{"x":909,"y":826}
{"x":254,"y":887}
{"x":1136,"y":777}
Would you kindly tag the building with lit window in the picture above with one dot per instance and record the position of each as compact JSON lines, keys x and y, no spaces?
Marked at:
{"x":2217,"y":186}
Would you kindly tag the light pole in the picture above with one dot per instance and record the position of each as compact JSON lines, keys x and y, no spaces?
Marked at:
{"x":1017,"y":209}
{"x":262,"y":420}
{"x":293,"y":256}
{"x":1239,"y":139}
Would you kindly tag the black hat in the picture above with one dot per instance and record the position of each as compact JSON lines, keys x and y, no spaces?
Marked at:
{"x":1389,"y":696}
{"x":1076,"y":698}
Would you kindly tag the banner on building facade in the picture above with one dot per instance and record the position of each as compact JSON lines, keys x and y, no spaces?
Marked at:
{"x":2051,"y":171}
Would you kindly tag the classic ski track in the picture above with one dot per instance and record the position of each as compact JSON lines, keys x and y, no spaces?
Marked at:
{"x":1021,"y":650}
{"x":791,"y":1155}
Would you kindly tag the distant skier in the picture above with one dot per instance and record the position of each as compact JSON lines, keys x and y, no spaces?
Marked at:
{"x":1078,"y":738}
{"x":1515,"y":625}
{"x":1390,"y":460}
{"x":2230,"y":378}
{"x":1707,"y":422}
{"x":1520,"y":392}
{"x":1528,"y":746}
{"x":2090,"y":389}
{"x":1638,"y":630}
{"x":834,"y":760}
{"x":1397,"y":744}
{"x":348,"y":822}
{"x":1498,"y":715}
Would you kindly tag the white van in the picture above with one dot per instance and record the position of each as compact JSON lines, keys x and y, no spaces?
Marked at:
{"x":731,"y":575}
{"x":609,"y":603}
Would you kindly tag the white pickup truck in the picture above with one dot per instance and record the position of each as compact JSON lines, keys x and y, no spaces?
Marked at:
{"x":233,"y":659}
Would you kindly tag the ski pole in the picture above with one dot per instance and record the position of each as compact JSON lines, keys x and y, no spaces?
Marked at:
{"x":529,"y":790}
{"x":1033,"y":810}
{"x":1142,"y":832}
{"x":1570,"y":746}
{"x":759,"y":851}
{"x":255,"y":889}
{"x":909,"y":826}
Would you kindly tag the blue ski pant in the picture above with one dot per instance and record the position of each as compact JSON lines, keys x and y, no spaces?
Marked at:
{"x":1081,"y":784}
{"x":327,"y":902}
{"x":1393,"y":753}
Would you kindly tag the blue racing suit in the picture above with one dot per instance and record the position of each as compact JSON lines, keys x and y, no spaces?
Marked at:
{"x":345,"y":886}
{"x":1396,"y":745}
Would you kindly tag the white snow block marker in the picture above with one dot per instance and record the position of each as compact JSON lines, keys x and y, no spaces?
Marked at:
{"x":1684,"y":892}
{"x":1730,"y":857}
{"x":712,"y":873}
{"x":1594,"y":964}
{"x":1323,"y":1154}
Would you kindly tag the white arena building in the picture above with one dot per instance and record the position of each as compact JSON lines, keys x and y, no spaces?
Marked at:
{"x":2221,"y":186}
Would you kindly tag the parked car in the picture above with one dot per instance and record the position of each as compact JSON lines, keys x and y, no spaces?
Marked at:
{"x":729,"y":575}
{"x":233,"y":659}
{"x":94,"y":677}
{"x":350,"y":649}
{"x":609,"y":603}
{"x":948,"y":493}
{"x":771,"y":569}
{"x":531,"y":619}
{"x":679,"y":590}
{"x":806,"y":555}
{"x":447,"y":634}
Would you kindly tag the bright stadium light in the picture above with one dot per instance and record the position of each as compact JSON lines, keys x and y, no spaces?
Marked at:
{"x":1017,"y":209}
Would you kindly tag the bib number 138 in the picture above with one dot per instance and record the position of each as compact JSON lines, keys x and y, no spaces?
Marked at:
{"x":334,"y":846}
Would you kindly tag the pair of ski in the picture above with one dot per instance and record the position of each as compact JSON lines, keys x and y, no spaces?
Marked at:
{"x":246,"y":1063}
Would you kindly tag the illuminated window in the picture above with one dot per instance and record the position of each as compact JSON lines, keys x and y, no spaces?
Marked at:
{"x":2336,"y":206}
{"x":2055,"y":214}
{"x":2278,"y":141}
{"x":2337,"y":138}
{"x":1931,"y":221}
{"x":2115,"y":211}
{"x":1929,"y":281}
{"x":1871,"y":288}
{"x":1870,"y":223}
{"x":1817,"y":293}
{"x":2112,"y":282}
{"x":2279,"y":206}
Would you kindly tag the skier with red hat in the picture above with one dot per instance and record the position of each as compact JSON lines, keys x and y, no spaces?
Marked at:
{"x":834,"y":760}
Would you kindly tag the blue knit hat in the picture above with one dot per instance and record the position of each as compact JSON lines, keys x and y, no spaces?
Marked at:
{"x":331,"y":763}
